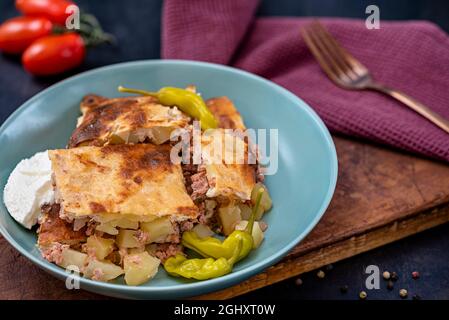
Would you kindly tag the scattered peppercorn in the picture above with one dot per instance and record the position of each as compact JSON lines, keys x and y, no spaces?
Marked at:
{"x":416,"y":297}
{"x":344,"y":289}
{"x":329,"y":267}
{"x":298,"y":282}
{"x":321,"y":274}
{"x":415,"y":275}
{"x":394,"y":276}
{"x":403,"y":293}
{"x":363,"y":295}
{"x":390,"y":285}
{"x":386,"y":275}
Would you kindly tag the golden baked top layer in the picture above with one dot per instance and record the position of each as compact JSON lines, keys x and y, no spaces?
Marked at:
{"x":132,"y":180}
{"x":125,"y":120}
{"x":228,"y":168}
{"x":226,"y":113}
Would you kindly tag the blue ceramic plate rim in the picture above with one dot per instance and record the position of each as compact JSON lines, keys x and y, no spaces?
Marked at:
{"x":200,"y":286}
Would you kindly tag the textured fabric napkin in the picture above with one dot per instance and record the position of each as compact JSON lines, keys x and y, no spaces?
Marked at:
{"x":409,"y":56}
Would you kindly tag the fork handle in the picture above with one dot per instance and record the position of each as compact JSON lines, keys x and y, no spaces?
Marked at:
{"x":413,"y":104}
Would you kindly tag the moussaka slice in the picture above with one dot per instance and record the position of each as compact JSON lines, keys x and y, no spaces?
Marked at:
{"x":125,"y":120}
{"x":119,"y":209}
{"x":128,"y":182}
{"x":222,"y":184}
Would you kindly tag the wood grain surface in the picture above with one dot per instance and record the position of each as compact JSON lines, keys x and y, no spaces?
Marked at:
{"x":381,"y":196}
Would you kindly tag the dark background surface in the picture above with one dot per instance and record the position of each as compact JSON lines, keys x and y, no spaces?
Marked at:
{"x":136,"y":24}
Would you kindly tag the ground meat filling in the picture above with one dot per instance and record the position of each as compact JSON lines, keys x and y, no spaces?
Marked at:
{"x":199,"y":185}
{"x":196,"y":182}
{"x":54,"y":252}
{"x":53,"y":229}
{"x":97,"y":274}
{"x":186,"y":225}
{"x":141,"y":237}
{"x":164,"y":251}
{"x":188,"y":170}
{"x":91,"y":225}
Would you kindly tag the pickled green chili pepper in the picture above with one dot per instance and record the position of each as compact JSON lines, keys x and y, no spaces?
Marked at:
{"x":213,"y":247}
{"x":189,"y":102}
{"x":220,"y":257}
{"x":201,"y":269}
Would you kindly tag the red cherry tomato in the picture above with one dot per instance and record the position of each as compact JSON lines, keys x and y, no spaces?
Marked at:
{"x":17,"y":34}
{"x":54,"y":10}
{"x":54,"y":54}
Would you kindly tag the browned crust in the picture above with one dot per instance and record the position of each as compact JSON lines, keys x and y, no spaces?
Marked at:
{"x":53,"y":229}
{"x":99,"y":113}
{"x":228,"y":179}
{"x":91,"y":101}
{"x":102,"y":116}
{"x":226,"y":113}
{"x":136,"y":179}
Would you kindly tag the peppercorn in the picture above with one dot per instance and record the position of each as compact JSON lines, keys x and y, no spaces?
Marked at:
{"x":390,"y":285}
{"x":321,"y":274}
{"x":329,"y":267}
{"x":363,"y":295}
{"x":344,"y":289}
{"x":416,"y":297}
{"x":415,"y":275}
{"x":298,"y":282}
{"x":403,"y":293}
{"x":386,"y":275}
{"x":394,"y":276}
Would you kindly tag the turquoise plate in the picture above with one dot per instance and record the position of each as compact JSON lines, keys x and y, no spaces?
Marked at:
{"x":301,"y":189}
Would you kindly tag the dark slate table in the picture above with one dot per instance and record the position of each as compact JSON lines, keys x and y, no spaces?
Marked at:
{"x":136,"y":24}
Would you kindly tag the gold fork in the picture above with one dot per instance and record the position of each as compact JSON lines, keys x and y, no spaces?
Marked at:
{"x":348,"y":73}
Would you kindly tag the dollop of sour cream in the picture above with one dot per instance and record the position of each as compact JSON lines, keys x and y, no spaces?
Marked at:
{"x":28,"y":188}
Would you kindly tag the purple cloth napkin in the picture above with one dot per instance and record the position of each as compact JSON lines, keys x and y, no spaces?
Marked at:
{"x":409,"y":56}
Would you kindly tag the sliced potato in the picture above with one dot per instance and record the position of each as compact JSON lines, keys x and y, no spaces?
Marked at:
{"x":72,"y":257}
{"x":160,"y":134}
{"x":229,"y":217}
{"x":110,"y":227}
{"x":107,"y":228}
{"x":100,"y":246}
{"x":202,"y":231}
{"x":257,"y":233}
{"x":102,"y":270}
{"x":139,"y":268}
{"x":125,"y":224}
{"x":127,"y":239}
{"x":158,"y":230}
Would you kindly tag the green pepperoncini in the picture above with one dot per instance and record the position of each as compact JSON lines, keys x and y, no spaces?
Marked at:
{"x":219,"y":257}
{"x":187,"y":101}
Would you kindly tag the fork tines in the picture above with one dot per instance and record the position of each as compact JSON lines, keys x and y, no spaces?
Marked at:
{"x":336,"y":62}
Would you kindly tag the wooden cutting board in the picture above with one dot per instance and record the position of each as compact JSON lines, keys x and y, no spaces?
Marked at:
{"x":381,"y":196}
